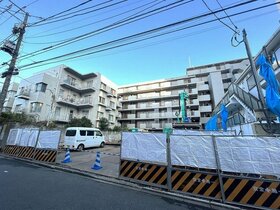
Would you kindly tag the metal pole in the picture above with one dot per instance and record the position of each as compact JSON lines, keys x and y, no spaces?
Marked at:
{"x":168,"y":157}
{"x":254,"y":72}
{"x":11,"y":68}
{"x":218,"y":168}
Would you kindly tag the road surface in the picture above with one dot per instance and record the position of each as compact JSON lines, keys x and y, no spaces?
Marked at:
{"x":24,"y":186}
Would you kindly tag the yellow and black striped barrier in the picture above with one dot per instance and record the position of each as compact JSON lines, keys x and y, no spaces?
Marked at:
{"x":251,"y":192}
{"x":196,"y":183}
{"x":45,"y":155}
{"x":144,"y":172}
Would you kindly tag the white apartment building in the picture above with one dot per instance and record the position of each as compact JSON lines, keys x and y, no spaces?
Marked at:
{"x":152,"y":105}
{"x":10,"y":98}
{"x":61,"y":93}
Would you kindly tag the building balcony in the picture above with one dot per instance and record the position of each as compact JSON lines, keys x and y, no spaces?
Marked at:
{"x":24,"y":94}
{"x":81,"y":103}
{"x":192,"y":91}
{"x":205,"y":108}
{"x":9,"y":102}
{"x":76,"y":87}
{"x":193,"y":114}
{"x":147,"y":98}
{"x":204,"y":98}
{"x":203,"y":87}
{"x":108,"y":108}
{"x":193,"y":102}
{"x":110,"y":95}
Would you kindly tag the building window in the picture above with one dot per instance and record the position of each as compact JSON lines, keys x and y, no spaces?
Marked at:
{"x":85,"y":113}
{"x":36,"y":107}
{"x":99,"y":115}
{"x":103,"y":86}
{"x":18,"y":108}
{"x":111,"y":118}
{"x":89,"y":83}
{"x":101,"y":100}
{"x":113,"y":91}
{"x":71,"y":80}
{"x":112,"y":104}
{"x":57,"y":111}
{"x":41,"y":87}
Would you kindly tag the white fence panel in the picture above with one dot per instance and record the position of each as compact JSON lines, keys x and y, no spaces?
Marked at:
{"x":144,"y":147}
{"x":48,"y":139}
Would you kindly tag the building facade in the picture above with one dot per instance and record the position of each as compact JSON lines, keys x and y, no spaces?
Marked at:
{"x":59,"y":94}
{"x":10,"y":98}
{"x":153,"y":105}
{"x":248,"y":114}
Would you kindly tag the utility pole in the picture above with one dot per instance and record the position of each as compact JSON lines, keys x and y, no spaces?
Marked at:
{"x":254,"y":72}
{"x":11,"y":68}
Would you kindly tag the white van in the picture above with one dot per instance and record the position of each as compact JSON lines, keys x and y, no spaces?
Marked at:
{"x":79,"y":138}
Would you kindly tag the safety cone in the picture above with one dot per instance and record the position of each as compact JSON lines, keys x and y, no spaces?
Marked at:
{"x":97,"y":164}
{"x":67,"y":158}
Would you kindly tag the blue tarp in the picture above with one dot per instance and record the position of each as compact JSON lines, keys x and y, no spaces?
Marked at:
{"x":272,"y":88}
{"x":211,"y":125}
{"x":224,"y":116}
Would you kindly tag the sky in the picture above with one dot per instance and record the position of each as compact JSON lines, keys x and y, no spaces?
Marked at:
{"x":156,"y":58}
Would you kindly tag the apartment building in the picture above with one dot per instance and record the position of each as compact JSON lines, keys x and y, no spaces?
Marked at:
{"x":247,"y":114}
{"x":61,"y":93}
{"x":152,"y":105}
{"x":10,"y":98}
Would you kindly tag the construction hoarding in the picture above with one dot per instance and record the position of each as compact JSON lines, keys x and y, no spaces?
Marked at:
{"x":231,"y":169}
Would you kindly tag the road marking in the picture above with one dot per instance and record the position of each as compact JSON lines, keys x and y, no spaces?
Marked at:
{"x":5,"y":171}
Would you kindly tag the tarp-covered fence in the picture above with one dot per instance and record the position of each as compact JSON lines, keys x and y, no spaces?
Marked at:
{"x":33,"y":144}
{"x":231,"y":169}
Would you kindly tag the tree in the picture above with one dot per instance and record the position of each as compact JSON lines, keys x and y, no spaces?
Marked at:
{"x":80,"y":122}
{"x":117,"y":128}
{"x":103,"y":124}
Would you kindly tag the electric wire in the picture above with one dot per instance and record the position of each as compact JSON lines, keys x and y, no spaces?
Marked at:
{"x":104,"y":29}
{"x":99,"y":21}
{"x":132,"y":42}
{"x":149,"y":31}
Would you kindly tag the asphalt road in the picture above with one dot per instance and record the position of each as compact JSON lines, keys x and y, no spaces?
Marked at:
{"x":24,"y":186}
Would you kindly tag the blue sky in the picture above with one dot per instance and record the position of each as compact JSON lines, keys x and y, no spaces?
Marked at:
{"x":163,"y":57}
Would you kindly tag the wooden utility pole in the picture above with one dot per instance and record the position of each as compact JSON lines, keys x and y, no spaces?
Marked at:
{"x":9,"y":73}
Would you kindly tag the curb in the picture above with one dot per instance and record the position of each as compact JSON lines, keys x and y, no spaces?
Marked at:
{"x":135,"y":186}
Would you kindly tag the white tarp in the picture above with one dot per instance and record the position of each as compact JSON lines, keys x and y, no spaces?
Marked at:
{"x":258,"y":155}
{"x":149,"y":147}
{"x":48,"y":139}
{"x":28,"y":137}
{"x":193,"y":151}
{"x":198,"y":132}
{"x":23,"y":137}
{"x":13,"y":136}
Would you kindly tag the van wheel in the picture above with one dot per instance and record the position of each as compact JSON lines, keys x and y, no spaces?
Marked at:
{"x":80,"y":147}
{"x":102,"y":144}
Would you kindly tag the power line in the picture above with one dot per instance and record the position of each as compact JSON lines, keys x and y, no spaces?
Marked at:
{"x":227,"y":14}
{"x":149,"y":31}
{"x":234,"y":30}
{"x":117,"y":24}
{"x":105,"y":19}
{"x":132,"y":42}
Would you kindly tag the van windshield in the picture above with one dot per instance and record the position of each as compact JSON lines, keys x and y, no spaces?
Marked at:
{"x":71,"y":133}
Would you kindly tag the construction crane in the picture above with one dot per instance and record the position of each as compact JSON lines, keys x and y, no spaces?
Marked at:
{"x":183,"y":97}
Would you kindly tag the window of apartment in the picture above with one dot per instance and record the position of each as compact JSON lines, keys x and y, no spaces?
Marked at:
{"x":90,"y":83}
{"x":101,"y":100}
{"x":36,"y":107}
{"x":112,"y":104}
{"x":18,"y":108}
{"x":71,"y":80}
{"x":41,"y":87}
{"x":57,"y":111}
{"x":103,"y":86}
{"x":85,"y":113}
{"x":111,"y":118}
{"x":100,"y":115}
{"x":113,"y":91}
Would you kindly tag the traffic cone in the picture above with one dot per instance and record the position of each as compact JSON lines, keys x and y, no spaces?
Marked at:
{"x":97,"y":164}
{"x":67,"y":158}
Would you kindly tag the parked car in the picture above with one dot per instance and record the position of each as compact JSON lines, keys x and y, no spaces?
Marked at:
{"x":79,"y":138}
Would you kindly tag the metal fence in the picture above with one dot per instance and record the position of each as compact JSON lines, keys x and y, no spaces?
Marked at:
{"x":229,"y":169}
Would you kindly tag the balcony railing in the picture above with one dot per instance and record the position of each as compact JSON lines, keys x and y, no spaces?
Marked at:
{"x":24,"y":94}
{"x":74,"y":86}
{"x":78,"y":103}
